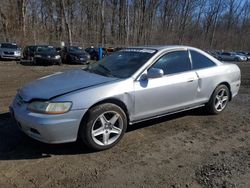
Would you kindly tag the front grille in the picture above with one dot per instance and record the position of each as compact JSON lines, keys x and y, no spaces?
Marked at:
{"x":34,"y":131}
{"x":9,"y":53}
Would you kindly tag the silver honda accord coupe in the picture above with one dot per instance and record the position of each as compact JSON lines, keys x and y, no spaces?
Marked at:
{"x":96,"y":103}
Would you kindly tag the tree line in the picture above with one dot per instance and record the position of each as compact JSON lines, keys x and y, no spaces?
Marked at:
{"x":208,"y":24}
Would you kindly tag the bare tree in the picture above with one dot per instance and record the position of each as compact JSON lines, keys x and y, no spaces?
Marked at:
{"x":222,"y":24}
{"x":67,"y":26}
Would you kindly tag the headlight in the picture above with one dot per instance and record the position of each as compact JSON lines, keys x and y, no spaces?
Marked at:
{"x":37,"y":56}
{"x":50,"y":107}
{"x":57,"y":57}
{"x":17,"y":53}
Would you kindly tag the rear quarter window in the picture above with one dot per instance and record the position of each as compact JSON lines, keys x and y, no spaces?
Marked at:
{"x":200,"y":61}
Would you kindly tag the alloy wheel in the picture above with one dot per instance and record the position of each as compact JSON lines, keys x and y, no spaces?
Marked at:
{"x":221,"y":100}
{"x":107,"y":128}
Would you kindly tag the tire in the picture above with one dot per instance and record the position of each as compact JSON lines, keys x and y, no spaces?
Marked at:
{"x":104,"y":127}
{"x":236,"y":59}
{"x":34,"y":61}
{"x":59,"y":63}
{"x":68,"y":60}
{"x":63,"y":61}
{"x":219,"y":100}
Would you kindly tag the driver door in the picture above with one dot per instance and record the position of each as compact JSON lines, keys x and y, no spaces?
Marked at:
{"x":175,"y":90}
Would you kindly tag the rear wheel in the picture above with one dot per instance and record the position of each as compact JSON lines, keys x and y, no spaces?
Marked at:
{"x":104,"y":127}
{"x":219,"y":100}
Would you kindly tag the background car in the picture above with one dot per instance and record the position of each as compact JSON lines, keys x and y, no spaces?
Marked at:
{"x":74,"y":54}
{"x":94,"y":53}
{"x":231,"y":56}
{"x":247,"y":54}
{"x":29,"y":52}
{"x":10,"y":51}
{"x":47,"y":55}
{"x":213,"y":53}
{"x":97,"y":103}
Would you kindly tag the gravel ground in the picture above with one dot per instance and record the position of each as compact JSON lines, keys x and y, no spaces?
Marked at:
{"x":189,"y":149}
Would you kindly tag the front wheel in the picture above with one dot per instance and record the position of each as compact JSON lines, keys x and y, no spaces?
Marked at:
{"x":219,"y":100}
{"x":236,"y":59}
{"x":35,"y":62}
{"x":59,"y":63}
{"x":104,"y":127}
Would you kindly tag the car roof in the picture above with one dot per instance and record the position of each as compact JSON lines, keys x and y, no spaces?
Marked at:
{"x":73,"y":47}
{"x":8,"y":43}
{"x":48,"y":46}
{"x":163,"y":47}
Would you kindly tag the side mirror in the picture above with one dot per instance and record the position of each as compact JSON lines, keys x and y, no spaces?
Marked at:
{"x":155,"y":73}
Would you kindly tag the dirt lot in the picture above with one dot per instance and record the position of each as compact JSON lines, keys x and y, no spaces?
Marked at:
{"x":185,"y":150}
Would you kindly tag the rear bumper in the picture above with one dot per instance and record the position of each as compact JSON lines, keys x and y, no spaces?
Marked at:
{"x":48,"y":128}
{"x":235,"y":86}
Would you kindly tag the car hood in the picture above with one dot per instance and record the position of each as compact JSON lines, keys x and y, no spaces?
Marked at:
{"x":61,"y":83}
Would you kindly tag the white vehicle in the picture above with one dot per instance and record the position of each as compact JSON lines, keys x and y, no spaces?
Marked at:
{"x":10,"y":51}
{"x":135,"y":84}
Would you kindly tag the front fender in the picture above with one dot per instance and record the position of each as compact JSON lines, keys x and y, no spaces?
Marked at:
{"x":83,"y":99}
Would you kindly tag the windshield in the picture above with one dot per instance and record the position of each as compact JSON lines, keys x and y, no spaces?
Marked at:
{"x":8,"y":45}
{"x":32,"y":48}
{"x":122,"y":64}
{"x":76,"y":49}
{"x":46,"y":49}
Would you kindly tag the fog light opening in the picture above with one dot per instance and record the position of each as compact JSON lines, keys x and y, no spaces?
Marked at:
{"x":34,"y":131}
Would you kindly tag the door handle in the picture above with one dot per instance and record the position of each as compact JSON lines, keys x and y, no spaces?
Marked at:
{"x":190,"y":80}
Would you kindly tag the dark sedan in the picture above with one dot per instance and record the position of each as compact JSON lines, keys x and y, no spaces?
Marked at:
{"x":47,"y":55}
{"x":29,"y":52}
{"x":74,"y":55}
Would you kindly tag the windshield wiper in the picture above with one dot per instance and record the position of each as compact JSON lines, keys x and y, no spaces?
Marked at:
{"x":109,"y":73}
{"x":106,"y":73}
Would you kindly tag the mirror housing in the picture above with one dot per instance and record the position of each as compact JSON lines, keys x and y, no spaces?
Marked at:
{"x":155,"y":73}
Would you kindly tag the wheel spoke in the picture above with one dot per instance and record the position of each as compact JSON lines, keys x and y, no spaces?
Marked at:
{"x":103,"y":119}
{"x":217,"y":105}
{"x":218,"y":97}
{"x":222,"y":92}
{"x":105,"y":138}
{"x":114,"y":119}
{"x":225,"y":98}
{"x":98,"y":131}
{"x":221,"y":107}
{"x":116,"y":130}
